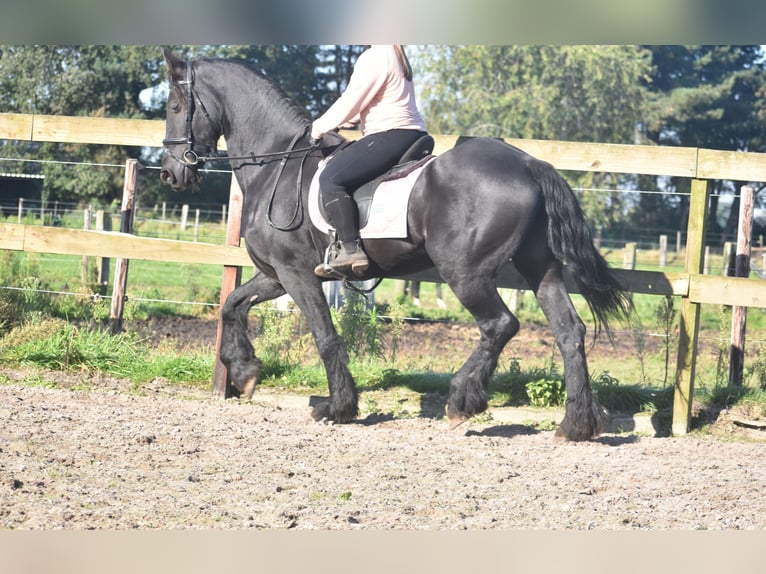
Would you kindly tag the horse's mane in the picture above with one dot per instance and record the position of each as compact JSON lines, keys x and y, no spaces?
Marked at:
{"x":271,"y":91}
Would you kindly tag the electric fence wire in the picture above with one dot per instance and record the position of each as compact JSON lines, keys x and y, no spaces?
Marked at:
{"x":96,"y":298}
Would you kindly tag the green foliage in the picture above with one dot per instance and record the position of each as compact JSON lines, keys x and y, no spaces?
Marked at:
{"x":56,"y":344}
{"x":665,"y":315}
{"x":722,"y":352}
{"x":711,"y":97}
{"x":629,"y":398}
{"x":274,"y":333}
{"x":746,"y":398}
{"x":707,"y":96}
{"x":546,"y":392}
{"x":575,"y":93}
{"x":358,"y":327}
{"x":397,"y":315}
{"x":757,"y":370}
{"x":638,"y":333}
{"x":20,"y":298}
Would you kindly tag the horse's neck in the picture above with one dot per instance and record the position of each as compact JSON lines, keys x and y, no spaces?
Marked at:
{"x":258,"y":120}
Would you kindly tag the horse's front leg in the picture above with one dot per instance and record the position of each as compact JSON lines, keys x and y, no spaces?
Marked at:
{"x":236,"y":351}
{"x":306,"y":291}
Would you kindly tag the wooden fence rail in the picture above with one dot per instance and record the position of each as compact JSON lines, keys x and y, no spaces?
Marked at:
{"x":692,"y":286}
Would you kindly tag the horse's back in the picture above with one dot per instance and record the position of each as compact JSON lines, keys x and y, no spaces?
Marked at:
{"x":481,"y":172}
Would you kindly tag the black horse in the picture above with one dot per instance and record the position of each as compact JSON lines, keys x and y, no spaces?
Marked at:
{"x":473,"y":208}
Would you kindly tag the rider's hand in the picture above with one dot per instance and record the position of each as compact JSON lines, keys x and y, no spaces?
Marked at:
{"x":316,"y":136}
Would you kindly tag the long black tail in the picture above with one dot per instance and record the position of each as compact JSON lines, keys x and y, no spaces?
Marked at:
{"x":571,"y":241}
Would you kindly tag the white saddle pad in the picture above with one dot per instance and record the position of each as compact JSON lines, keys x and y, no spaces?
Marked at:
{"x":388,"y":212}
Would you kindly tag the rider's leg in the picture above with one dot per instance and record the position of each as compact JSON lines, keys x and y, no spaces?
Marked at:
{"x":363,"y":161}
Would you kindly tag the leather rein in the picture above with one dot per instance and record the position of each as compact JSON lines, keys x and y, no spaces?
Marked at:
{"x":191,"y":159}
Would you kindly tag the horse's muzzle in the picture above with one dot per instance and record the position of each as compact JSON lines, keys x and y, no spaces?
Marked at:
{"x":178,"y":174}
{"x":167,"y":177}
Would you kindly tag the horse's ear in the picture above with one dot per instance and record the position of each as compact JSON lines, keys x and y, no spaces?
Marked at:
{"x":176,"y":66}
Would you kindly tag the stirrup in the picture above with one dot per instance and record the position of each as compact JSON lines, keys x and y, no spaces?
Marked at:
{"x":324,"y":270}
{"x":333,"y":251}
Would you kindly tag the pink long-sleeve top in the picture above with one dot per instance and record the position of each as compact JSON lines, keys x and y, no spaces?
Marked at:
{"x":378,"y":93}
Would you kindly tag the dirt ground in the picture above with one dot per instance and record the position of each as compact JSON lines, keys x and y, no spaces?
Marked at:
{"x":99,"y":453}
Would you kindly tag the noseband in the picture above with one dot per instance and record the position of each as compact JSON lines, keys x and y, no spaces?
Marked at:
{"x":189,"y":158}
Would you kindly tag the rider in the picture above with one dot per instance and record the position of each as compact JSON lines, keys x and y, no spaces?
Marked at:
{"x":380,"y":94}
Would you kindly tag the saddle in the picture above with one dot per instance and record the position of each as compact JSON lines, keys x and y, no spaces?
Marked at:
{"x":414,"y":157}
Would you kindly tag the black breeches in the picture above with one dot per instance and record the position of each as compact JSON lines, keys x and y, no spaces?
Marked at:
{"x":357,"y":164}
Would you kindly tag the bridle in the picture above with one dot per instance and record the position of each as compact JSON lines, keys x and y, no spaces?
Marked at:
{"x":191,"y":158}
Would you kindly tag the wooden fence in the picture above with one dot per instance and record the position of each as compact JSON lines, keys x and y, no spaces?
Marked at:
{"x":691,"y":286}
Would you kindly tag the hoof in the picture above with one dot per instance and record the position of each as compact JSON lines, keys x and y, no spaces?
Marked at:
{"x":245,"y":377}
{"x":249,"y":388}
{"x":323,"y":412}
{"x":456,"y":421}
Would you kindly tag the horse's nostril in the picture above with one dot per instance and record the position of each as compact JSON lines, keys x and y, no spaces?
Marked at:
{"x":166,"y":176}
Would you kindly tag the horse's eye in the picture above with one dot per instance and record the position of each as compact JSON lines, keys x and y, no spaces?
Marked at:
{"x":175,"y":107}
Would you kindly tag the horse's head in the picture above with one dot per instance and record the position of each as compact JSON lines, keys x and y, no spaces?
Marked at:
{"x":190,"y":134}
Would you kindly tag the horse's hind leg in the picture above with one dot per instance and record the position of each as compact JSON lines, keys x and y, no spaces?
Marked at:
{"x":236,"y":351}
{"x":497,"y":325}
{"x":584,"y":418}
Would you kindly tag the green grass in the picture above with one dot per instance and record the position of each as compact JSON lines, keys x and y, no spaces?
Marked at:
{"x":58,"y":345}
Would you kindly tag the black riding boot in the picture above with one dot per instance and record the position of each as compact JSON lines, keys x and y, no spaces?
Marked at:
{"x":351,"y":256}
{"x":343,"y":216}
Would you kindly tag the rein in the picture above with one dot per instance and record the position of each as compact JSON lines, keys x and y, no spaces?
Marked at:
{"x":191,"y":158}
{"x":291,"y":225}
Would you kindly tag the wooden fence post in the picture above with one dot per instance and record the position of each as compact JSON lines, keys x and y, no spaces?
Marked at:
{"x":103,"y":223}
{"x":729,"y":253}
{"x":741,"y":269}
{"x":232,"y":277}
{"x":127,"y":213}
{"x":690,"y":312}
{"x":21,"y":209}
{"x":663,"y":250}
{"x":84,"y":263}
{"x":629,"y":256}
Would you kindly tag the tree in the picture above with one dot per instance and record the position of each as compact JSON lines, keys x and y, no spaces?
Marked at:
{"x":574,"y":93}
{"x":113,"y":81}
{"x":710,"y":97}
{"x":77,"y":80}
